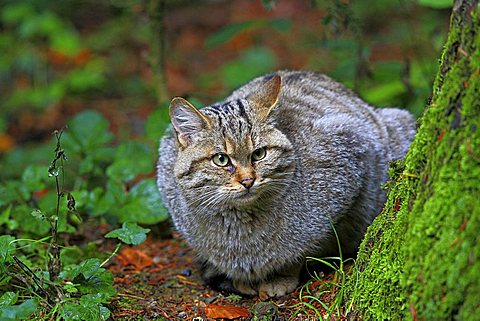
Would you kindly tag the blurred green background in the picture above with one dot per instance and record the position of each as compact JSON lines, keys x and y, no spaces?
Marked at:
{"x":107,"y":69}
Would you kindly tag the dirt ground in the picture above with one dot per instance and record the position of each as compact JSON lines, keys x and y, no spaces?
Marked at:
{"x":159,"y":280}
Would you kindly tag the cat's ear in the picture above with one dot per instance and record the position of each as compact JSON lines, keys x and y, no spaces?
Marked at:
{"x":265,"y":99}
{"x":187,"y":120}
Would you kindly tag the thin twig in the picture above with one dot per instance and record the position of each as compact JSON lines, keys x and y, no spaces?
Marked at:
{"x":27,"y":271}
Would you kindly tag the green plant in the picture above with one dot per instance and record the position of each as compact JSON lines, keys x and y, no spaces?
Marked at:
{"x":330,"y":294}
{"x":37,"y":275}
{"x":107,"y":181}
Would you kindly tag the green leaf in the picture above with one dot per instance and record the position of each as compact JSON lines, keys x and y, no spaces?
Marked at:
{"x":131,"y":159}
{"x":17,"y":12}
{"x":16,"y":160}
{"x":18,"y":312}
{"x":64,"y":41}
{"x":5,"y":215}
{"x":34,"y":177}
{"x":88,"y":77}
{"x":381,"y":94}
{"x":95,"y":163}
{"x":130,"y":233}
{"x":252,"y":63}
{"x":90,"y":278}
{"x":111,"y":200}
{"x":157,"y":123}
{"x":13,"y":191}
{"x":91,"y":201}
{"x":70,"y":287}
{"x":38,"y":214}
{"x":8,"y":298}
{"x":88,"y":308}
{"x":143,"y":204}
{"x":7,"y":247}
{"x":436,"y":4}
{"x":70,"y":255}
{"x":87,"y":132}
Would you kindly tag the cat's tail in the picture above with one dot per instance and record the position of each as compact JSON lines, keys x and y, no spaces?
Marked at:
{"x":401,"y":128}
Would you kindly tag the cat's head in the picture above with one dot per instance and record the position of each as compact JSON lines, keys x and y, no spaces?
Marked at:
{"x":231,"y":154}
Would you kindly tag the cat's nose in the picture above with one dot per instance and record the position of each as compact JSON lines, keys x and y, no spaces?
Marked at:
{"x":247,"y":182}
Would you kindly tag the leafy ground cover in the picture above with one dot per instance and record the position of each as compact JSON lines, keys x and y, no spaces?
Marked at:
{"x":76,"y":205}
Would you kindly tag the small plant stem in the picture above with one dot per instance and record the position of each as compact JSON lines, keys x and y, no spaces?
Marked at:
{"x":54,"y":264}
{"x":29,"y":240}
{"x":119,"y":245}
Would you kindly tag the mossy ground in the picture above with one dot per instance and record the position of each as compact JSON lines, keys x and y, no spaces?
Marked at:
{"x":420,"y":259}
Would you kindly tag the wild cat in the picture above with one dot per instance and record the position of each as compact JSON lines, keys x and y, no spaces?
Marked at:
{"x":254,"y":183}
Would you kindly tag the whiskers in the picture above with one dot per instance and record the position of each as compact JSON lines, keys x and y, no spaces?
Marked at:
{"x":215,"y":198}
{"x":207,"y":197}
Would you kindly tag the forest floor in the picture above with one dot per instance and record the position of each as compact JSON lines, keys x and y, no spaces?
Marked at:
{"x":159,"y":280}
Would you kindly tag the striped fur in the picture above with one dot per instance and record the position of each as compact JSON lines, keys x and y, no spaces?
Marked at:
{"x":326,"y":158}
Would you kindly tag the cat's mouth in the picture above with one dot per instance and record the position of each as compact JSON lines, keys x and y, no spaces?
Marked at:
{"x":256,"y":195}
{"x":247,"y":193}
{"x":244,"y":196}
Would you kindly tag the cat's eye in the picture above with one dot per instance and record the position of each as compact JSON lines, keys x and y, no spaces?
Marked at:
{"x":221,"y":160}
{"x":259,"y":154}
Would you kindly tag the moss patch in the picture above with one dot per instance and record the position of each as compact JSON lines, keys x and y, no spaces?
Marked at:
{"x":420,"y":258}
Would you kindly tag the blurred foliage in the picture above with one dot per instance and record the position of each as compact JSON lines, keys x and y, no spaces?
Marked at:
{"x":438,"y":4}
{"x":383,"y":52}
{"x":233,"y":29}
{"x":84,"y":65}
{"x":33,"y":40}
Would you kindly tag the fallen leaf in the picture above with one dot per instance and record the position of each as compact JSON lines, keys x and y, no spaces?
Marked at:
{"x":225,"y":312}
{"x":82,"y":57}
{"x":57,"y":57}
{"x":138,"y":259}
{"x":6,"y":142}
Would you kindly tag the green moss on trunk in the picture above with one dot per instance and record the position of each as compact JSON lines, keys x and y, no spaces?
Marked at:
{"x":420,"y":258}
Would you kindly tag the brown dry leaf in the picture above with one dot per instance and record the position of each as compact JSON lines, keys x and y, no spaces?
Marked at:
{"x":225,"y":312}
{"x":6,"y":143}
{"x":57,"y":57}
{"x":137,"y":258}
{"x":82,"y":57}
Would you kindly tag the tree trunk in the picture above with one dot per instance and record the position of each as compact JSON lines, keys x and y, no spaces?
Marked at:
{"x":420,"y":259}
{"x":156,"y":13}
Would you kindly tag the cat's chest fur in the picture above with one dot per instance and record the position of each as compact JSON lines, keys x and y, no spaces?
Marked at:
{"x":243,"y":243}
{"x":255,"y":183}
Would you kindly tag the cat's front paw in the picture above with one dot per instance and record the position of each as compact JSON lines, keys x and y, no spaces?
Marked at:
{"x":244,"y":288}
{"x":277,"y":287}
